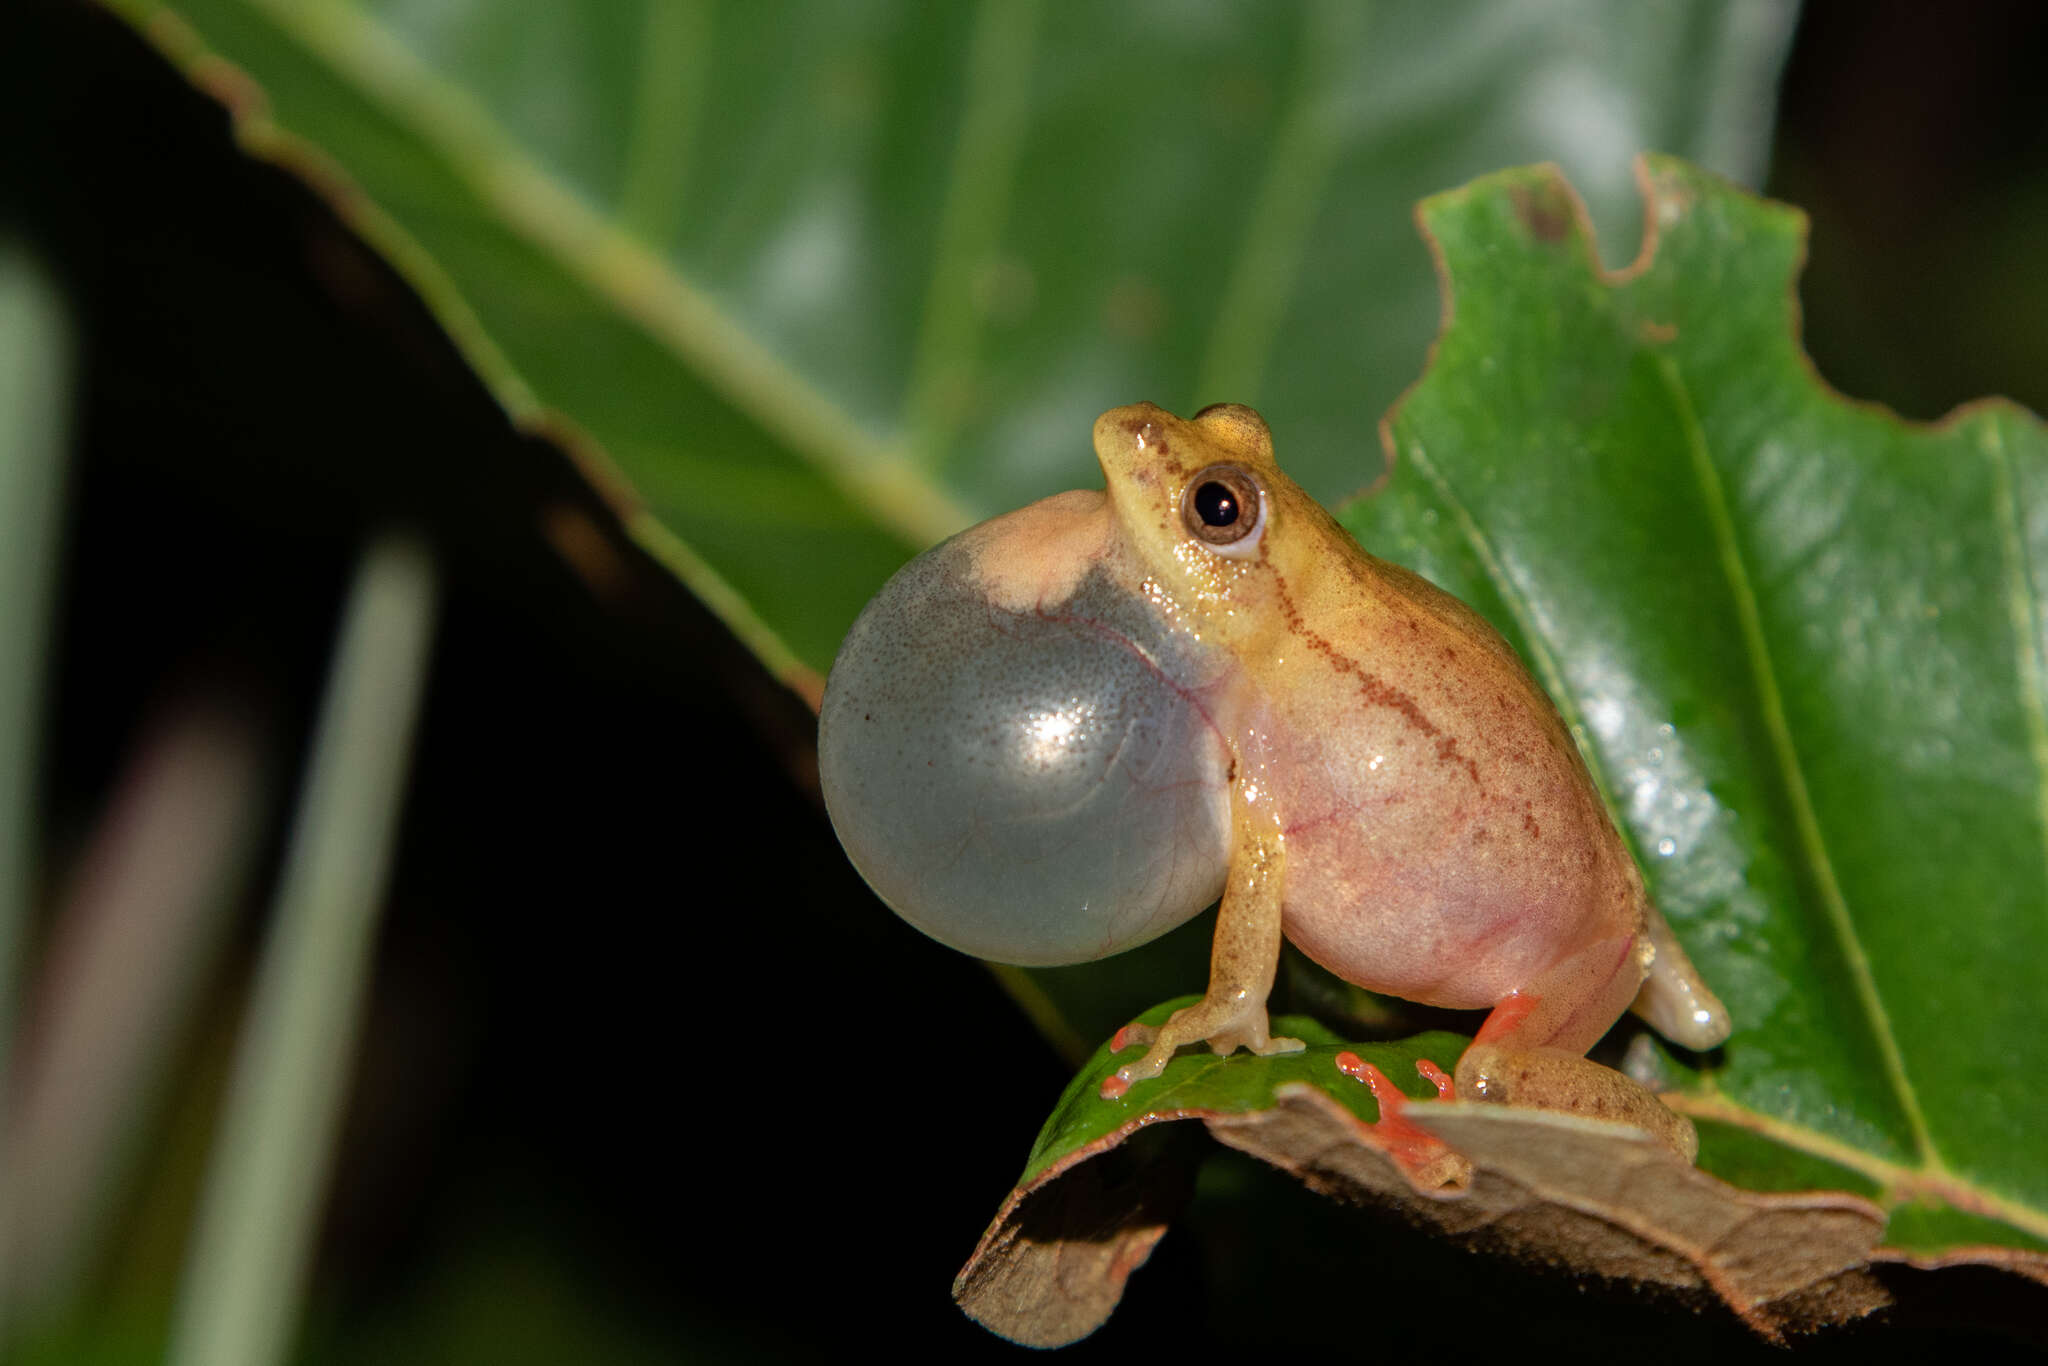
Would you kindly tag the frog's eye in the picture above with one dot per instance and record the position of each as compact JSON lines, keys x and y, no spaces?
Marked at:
{"x":1225,"y":509}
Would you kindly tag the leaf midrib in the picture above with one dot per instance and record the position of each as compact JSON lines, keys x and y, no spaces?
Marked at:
{"x":995,"y":82}
{"x":1785,"y":751}
{"x":2023,"y":606}
{"x":1267,"y":263}
{"x":1770,"y":700}
{"x":1897,"y":1183}
{"x":667,"y":111}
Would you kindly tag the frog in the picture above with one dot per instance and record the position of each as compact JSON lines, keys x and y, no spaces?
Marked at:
{"x":1073,"y":727}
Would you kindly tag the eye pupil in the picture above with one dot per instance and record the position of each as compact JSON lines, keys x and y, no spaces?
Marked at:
{"x":1223,"y":508}
{"x":1216,"y":504}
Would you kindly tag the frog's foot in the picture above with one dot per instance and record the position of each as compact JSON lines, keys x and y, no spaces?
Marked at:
{"x":1133,"y":1035}
{"x":1446,"y":1089}
{"x":1225,"y":1026}
{"x":1429,"y":1163}
{"x":1551,"y":1079}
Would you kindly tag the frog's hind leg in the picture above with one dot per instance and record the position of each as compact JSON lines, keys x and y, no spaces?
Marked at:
{"x":1676,"y":1002}
{"x":1531,"y":1050}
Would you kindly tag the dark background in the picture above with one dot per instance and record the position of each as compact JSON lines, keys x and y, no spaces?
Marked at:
{"x":622,"y":1091}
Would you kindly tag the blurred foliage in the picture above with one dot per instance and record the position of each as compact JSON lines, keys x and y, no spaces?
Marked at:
{"x":823,"y":286}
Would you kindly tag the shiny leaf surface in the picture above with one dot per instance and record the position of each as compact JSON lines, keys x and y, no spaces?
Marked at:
{"x":1800,"y":641}
{"x":1200,"y":1083}
{"x":807,"y":288}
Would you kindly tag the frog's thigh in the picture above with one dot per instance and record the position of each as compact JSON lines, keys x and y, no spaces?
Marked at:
{"x":1531,"y":1049}
{"x":1570,"y":1004}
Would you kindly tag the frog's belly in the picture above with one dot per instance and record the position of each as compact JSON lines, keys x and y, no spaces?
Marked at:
{"x":1454,"y":905}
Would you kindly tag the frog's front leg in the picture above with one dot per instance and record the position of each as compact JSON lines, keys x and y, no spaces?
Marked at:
{"x":1242,"y":961}
{"x":1531,"y":1049}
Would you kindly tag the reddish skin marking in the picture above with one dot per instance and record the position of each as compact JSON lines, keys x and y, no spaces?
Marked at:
{"x":1114,"y":1086}
{"x":1447,"y":752}
{"x":1411,"y":1146}
{"x":1434,"y":1075}
{"x":1376,"y":690}
{"x":1507,"y":1016}
{"x":1148,"y":436}
{"x":1121,"y":1041}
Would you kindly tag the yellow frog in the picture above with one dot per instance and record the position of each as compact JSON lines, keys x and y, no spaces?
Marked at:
{"x":1071,"y":728}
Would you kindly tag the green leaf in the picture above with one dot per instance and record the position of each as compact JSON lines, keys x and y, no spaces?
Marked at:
{"x":1105,"y":1179}
{"x":1198,"y":1083}
{"x":807,"y":287}
{"x":1601,"y":1199}
{"x":1800,"y":641}
{"x":35,"y":374}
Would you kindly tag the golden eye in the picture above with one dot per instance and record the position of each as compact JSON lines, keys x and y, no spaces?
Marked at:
{"x":1224,"y":508}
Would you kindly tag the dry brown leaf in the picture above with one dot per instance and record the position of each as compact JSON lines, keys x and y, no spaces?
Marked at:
{"x":1594,"y":1198}
{"x":1580,"y":1195}
{"x":1051,"y":1267}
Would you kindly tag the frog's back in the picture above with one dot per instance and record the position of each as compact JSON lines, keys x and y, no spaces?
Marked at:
{"x":1444,"y":836}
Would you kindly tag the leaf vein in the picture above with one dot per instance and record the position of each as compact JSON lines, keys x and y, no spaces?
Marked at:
{"x":2023,"y":603}
{"x":1262,"y":278}
{"x":1897,"y":1184}
{"x":676,"y":39}
{"x":1806,"y":820}
{"x":997,"y":85}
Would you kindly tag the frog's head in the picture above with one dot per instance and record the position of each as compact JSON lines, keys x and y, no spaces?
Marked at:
{"x":1023,"y":744}
{"x":1019,"y":744}
{"x":1200,"y":503}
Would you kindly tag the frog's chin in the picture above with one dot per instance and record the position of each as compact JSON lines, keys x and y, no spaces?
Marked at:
{"x":1034,"y":785}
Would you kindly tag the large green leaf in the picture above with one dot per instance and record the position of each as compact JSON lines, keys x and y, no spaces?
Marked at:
{"x":809,"y":286}
{"x":1199,"y":1082}
{"x":1800,"y":642}
{"x":807,"y":290}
